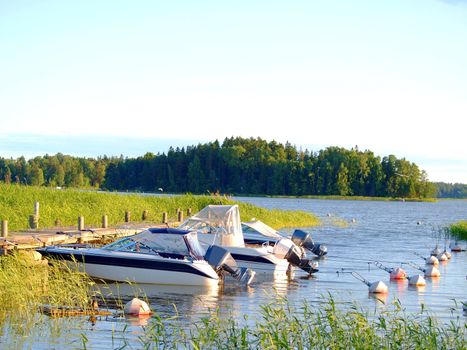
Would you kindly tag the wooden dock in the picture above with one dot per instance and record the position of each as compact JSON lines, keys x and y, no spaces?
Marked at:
{"x":32,"y":239}
{"x":36,"y":238}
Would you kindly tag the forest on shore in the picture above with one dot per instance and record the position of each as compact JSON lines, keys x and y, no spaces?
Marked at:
{"x":236,"y":166}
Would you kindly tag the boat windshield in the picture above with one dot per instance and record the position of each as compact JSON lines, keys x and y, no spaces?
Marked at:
{"x":259,"y":227}
{"x":223,"y":221}
{"x":165,"y":244}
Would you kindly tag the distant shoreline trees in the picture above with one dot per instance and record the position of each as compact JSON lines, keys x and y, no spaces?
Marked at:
{"x":238,"y":165}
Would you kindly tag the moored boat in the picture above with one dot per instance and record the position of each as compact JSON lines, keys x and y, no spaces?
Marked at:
{"x":257,"y":232}
{"x":221,"y":225}
{"x":156,"y":256}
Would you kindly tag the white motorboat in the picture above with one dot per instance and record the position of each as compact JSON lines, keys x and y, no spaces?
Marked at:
{"x":156,"y":255}
{"x":257,"y":232}
{"x":221,"y":225}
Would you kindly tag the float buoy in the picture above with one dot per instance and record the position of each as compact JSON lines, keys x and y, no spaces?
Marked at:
{"x":137,"y":307}
{"x":378,"y":287}
{"x":448,"y":255}
{"x":394,"y":273}
{"x":397,"y":274}
{"x":432,"y":260}
{"x":417,"y":280}
{"x":432,"y":271}
{"x":436,"y":251}
{"x":456,"y":247}
{"x":442,"y":257}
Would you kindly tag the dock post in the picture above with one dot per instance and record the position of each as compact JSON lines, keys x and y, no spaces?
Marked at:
{"x":180,"y":216}
{"x":4,"y":228}
{"x":33,"y":221}
{"x":127,"y":216}
{"x":36,"y":209}
{"x":177,"y":211}
{"x":188,"y":212}
{"x":145,"y":215}
{"x":164,"y":217}
{"x":105,"y":221}
{"x":80,"y":223}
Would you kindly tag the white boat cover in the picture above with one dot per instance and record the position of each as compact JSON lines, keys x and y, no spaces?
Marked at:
{"x":262,"y":228}
{"x":223,"y":221}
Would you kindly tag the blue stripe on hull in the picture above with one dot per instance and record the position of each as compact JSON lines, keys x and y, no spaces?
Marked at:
{"x":124,"y":262}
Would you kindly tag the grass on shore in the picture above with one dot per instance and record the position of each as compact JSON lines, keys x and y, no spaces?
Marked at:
{"x":17,"y":203}
{"x":323,"y":326}
{"x":459,"y":230}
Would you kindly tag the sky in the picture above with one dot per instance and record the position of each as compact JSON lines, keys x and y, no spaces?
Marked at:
{"x":114,"y":77}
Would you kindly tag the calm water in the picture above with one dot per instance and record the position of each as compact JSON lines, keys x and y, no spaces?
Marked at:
{"x":356,"y":233}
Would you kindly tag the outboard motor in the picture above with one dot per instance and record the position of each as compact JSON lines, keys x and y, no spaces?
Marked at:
{"x":303,"y":239}
{"x":287,"y":249}
{"x":223,"y":262}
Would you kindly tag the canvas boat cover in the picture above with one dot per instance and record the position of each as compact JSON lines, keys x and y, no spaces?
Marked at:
{"x":260,"y":227}
{"x":223,"y":221}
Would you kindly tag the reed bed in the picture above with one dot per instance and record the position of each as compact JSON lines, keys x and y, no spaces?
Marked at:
{"x":26,"y":284}
{"x":324,"y":326}
{"x":65,"y":205}
{"x":459,"y":230}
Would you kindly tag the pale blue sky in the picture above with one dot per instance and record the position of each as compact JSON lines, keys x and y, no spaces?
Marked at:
{"x":110,"y":77}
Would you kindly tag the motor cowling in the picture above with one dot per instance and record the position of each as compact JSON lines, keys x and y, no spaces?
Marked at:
{"x":223,"y":262}
{"x":287,"y":249}
{"x":304,"y":239}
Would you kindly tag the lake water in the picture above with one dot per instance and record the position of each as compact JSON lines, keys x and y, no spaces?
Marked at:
{"x":356,"y":234}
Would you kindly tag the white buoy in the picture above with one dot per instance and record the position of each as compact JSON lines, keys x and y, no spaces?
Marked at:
{"x":436,"y":251}
{"x":432,"y":260}
{"x":432,"y":271}
{"x":378,"y":287}
{"x":456,"y":247}
{"x":353,"y":220}
{"x":417,"y":280}
{"x":397,"y":274}
{"x":442,"y":257}
{"x":136,"y":307}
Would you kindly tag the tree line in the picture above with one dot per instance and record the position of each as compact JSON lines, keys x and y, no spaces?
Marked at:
{"x":237,"y":165}
{"x":449,"y":190}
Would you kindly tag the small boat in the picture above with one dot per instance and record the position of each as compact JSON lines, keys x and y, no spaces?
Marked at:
{"x":156,"y":256}
{"x":257,"y":232}
{"x":221,"y":225}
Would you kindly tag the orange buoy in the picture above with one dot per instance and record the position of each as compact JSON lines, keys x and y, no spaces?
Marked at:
{"x":397,"y":274}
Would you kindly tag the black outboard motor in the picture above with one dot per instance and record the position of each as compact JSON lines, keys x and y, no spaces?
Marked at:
{"x":286,"y":249}
{"x":303,"y":239}
{"x":222,"y":261}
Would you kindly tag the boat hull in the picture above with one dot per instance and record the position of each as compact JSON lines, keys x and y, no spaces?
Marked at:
{"x":127,"y":267}
{"x":260,"y":260}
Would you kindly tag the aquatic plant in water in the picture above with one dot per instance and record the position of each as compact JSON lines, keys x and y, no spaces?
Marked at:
{"x":324,"y":326}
